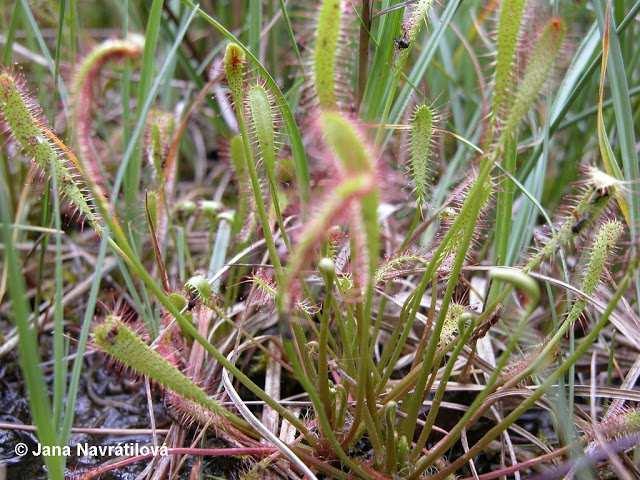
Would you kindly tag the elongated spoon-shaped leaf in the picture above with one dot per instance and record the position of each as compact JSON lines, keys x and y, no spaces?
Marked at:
{"x":124,"y":345}
{"x":23,"y":119}
{"x":325,"y":52}
{"x":541,"y":62}
{"x":419,"y":161}
{"x":507,"y":42}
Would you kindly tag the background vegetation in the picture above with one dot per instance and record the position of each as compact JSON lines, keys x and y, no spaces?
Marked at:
{"x":358,"y":239}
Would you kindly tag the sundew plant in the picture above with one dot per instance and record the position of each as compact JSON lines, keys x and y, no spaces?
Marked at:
{"x":343,"y":239}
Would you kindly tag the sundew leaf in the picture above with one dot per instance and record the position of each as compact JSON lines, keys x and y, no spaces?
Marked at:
{"x":325,"y":52}
{"x":22,"y":116}
{"x":87,"y":74}
{"x":422,"y":126}
{"x":298,"y":152}
{"x":542,"y":60}
{"x":123,"y":344}
{"x":508,"y":29}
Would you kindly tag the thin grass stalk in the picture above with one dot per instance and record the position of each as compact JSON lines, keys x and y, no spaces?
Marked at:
{"x":322,"y":416}
{"x":327,"y":268}
{"x":391,"y":465}
{"x":292,"y":38}
{"x":373,"y":425}
{"x":28,"y":354}
{"x":58,"y":51}
{"x":44,"y":220}
{"x":255,"y":26}
{"x":411,"y":405}
{"x":60,"y":364}
{"x":442,"y":387}
{"x":10,"y":35}
{"x":504,"y":209}
{"x":78,"y":363}
{"x":363,"y":48}
{"x":412,"y":304}
{"x":42,"y":44}
{"x":72,"y":23}
{"x":474,"y":200}
{"x":133,"y":168}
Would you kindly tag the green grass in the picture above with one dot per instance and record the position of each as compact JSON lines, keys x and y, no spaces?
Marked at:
{"x":29,"y":356}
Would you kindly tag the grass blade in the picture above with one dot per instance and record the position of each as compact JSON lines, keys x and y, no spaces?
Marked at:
{"x":422,"y":63}
{"x":622,"y":108}
{"x":78,"y":363}
{"x":28,"y":354}
{"x":132,"y":178}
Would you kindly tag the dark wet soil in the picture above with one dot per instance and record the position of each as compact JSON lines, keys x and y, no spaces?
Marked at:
{"x":108,"y":399}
